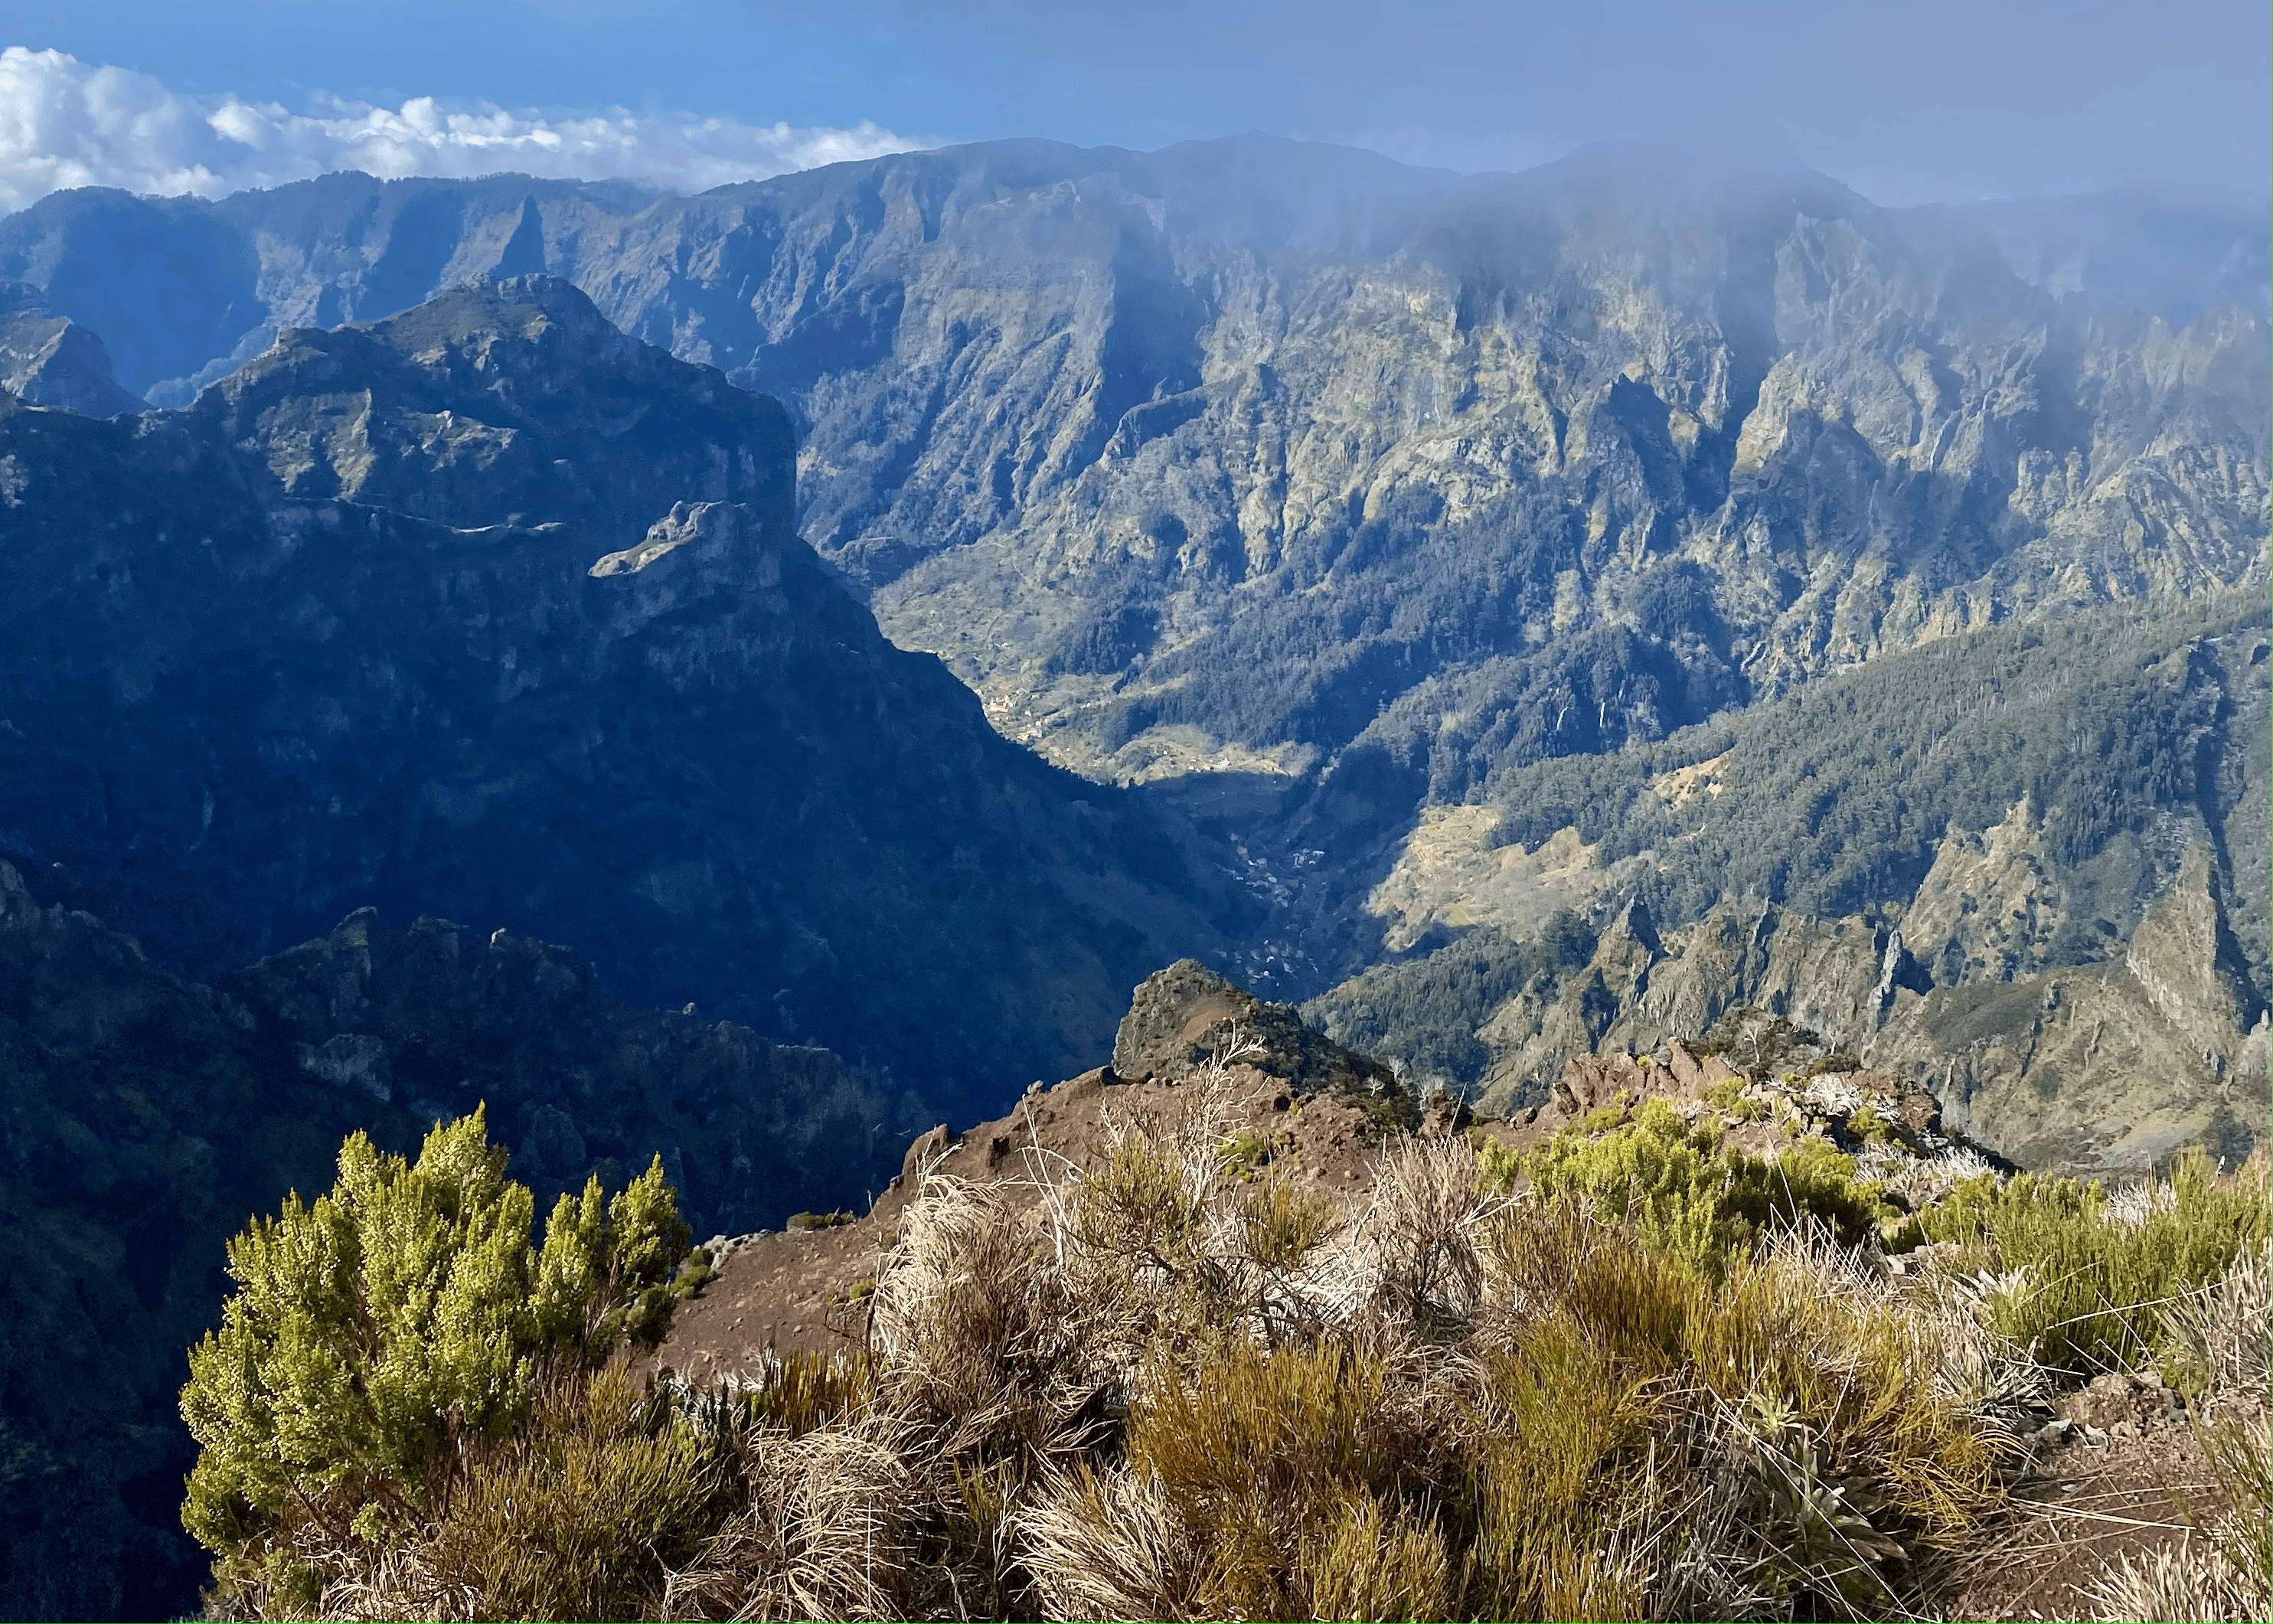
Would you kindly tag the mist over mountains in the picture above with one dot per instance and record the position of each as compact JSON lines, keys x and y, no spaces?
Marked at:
{"x":1308,"y":492}
{"x":897,"y":607}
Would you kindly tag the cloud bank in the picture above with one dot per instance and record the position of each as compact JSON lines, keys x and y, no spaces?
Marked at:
{"x":65,"y":124}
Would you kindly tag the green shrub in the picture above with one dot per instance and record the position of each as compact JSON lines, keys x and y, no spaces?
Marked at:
{"x":2097,"y":1286}
{"x":1274,"y":1463}
{"x":584,"y":1510}
{"x":1603,"y":1118}
{"x":807,"y":1223}
{"x":1728,"y":1097}
{"x":1683,"y":1192}
{"x":1245,"y":1155}
{"x":405,"y":1310}
{"x":802,"y":1390}
{"x":1627,"y":1350}
{"x":1555,"y":1481}
{"x":1280,"y":1221}
{"x":1498,"y":1165}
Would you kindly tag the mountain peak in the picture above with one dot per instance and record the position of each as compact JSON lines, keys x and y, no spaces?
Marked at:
{"x":505,"y":401}
{"x":50,"y":361}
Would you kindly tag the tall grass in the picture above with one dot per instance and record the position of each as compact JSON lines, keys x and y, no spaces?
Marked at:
{"x":2095,"y":1280}
{"x":1178,"y":1387}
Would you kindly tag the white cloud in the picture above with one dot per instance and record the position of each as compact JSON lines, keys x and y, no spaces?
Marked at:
{"x":65,"y":124}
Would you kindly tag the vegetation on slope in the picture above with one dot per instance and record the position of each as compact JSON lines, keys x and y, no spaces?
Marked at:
{"x":403,"y":1314}
{"x":1166,"y":1390}
{"x":1835,"y":799}
{"x":142,"y":1116}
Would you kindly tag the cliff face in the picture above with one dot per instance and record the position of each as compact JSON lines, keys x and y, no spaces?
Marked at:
{"x":2022,"y":868}
{"x":1328,"y":497}
{"x":491,"y":609}
{"x":2104,"y":1068}
{"x":49,"y":361}
{"x":1246,"y":452}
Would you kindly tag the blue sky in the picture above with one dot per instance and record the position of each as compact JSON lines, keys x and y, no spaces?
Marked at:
{"x":1928,"y":100}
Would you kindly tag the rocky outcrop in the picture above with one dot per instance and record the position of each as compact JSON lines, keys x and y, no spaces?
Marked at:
{"x":2096,"y":1068}
{"x":49,"y":361}
{"x":2110,"y":1066}
{"x":2181,"y":956}
{"x":1765,"y":1082}
{"x":1992,"y":906}
{"x":1642,"y":988}
{"x":2023,"y":866}
{"x":1183,"y":1017}
{"x":2106,"y":1067}
{"x":489,"y":610}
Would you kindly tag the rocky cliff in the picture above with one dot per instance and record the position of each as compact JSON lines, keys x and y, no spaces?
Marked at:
{"x":50,"y":361}
{"x":489,"y":609}
{"x":1256,"y":453}
{"x":2022,"y":868}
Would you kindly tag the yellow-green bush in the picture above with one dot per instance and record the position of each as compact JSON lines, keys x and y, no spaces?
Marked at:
{"x":1168,"y":1391}
{"x":1635,"y":1377}
{"x":404,"y":1309}
{"x":1284,"y":1472}
{"x":1683,"y":1192}
{"x":2098,"y":1284}
{"x":584,"y":1510}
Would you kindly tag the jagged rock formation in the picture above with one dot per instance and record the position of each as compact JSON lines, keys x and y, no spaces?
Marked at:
{"x":1765,"y":1083}
{"x":50,"y":361}
{"x":1335,"y":499}
{"x":2105,"y":1067}
{"x":1127,"y":437}
{"x":1145,"y":444}
{"x":143,"y":1115}
{"x":1186,"y":1015}
{"x":1344,"y":490}
{"x":491,"y":610}
{"x":2030,"y":877}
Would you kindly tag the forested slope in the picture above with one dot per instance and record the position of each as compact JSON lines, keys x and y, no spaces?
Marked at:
{"x":1959,"y":860}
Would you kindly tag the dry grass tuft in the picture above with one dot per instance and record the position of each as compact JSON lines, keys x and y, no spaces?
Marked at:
{"x":2189,"y":1583}
{"x":1186,"y":1386}
{"x":825,"y":1535}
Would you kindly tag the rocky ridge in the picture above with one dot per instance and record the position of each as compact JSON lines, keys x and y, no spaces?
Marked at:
{"x":1182,"y":1017}
{"x":489,"y":609}
{"x":1328,"y":497}
{"x":1918,"y":858}
{"x":1084,"y":421}
{"x":49,"y":361}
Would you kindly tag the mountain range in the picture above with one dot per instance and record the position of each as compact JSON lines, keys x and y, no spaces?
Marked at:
{"x":1317,"y":498}
{"x":489,"y":610}
{"x":881,"y":614}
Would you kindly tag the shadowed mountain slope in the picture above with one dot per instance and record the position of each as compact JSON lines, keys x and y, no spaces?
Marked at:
{"x":1213,"y":455}
{"x":492,"y":610}
{"x":142,"y":1115}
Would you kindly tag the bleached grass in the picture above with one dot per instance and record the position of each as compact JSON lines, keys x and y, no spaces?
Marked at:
{"x":1183,"y":1385}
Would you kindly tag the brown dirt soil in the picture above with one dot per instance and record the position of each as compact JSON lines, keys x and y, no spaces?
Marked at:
{"x":2084,"y":1503}
{"x":794,"y":1291}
